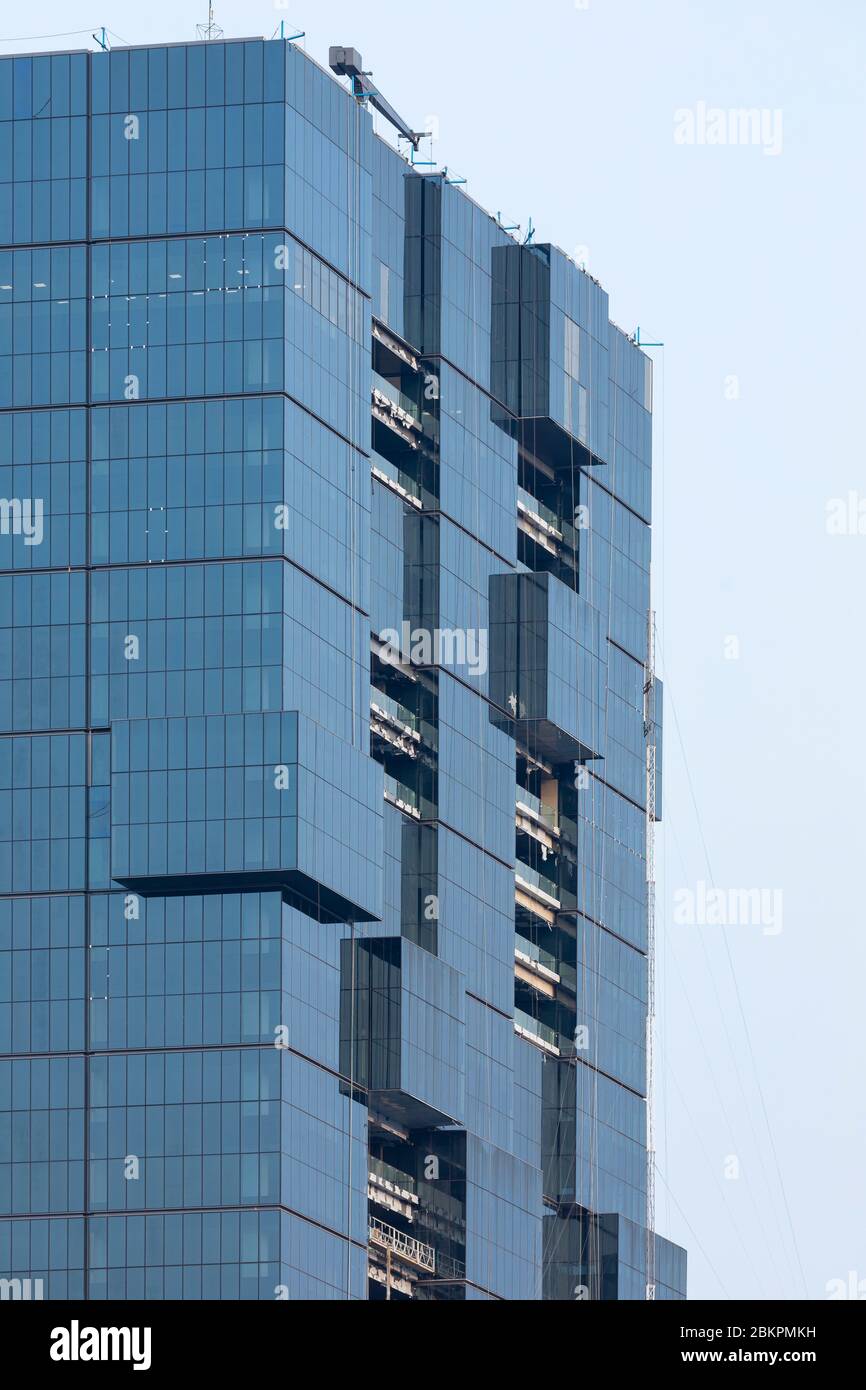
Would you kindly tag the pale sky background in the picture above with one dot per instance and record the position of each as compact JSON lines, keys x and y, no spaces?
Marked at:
{"x":750,"y":266}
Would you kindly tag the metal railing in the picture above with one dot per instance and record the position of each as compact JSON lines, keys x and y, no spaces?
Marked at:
{"x":568,"y":976}
{"x":449,"y":1268}
{"x":390,"y":470}
{"x":546,"y":814}
{"x":406,"y":1247}
{"x":535,"y":953}
{"x":536,"y":880}
{"x":535,"y":508}
{"x":388,"y":705}
{"x":396,"y":396}
{"x":538,"y":1030}
{"x":399,"y":1180}
{"x":398,"y":791}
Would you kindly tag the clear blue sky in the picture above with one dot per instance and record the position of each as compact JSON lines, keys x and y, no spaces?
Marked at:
{"x":747,"y":265}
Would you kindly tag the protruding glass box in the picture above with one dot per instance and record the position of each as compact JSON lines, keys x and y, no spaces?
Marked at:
{"x":249,"y":801}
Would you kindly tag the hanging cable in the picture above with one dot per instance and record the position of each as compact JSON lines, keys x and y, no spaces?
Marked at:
{"x":699,"y":1033}
{"x":738,"y":996}
{"x":38,"y":38}
{"x":692,"y":1233}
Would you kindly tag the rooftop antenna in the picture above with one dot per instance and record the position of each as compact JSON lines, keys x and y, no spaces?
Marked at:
{"x":347,"y":62}
{"x":298,"y":33}
{"x":210,"y":30}
{"x":639,"y":342}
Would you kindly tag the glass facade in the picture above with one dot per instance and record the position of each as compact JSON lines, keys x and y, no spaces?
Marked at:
{"x":326,"y":711}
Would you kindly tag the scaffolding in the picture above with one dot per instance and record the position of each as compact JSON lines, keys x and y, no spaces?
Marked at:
{"x":406,"y":1247}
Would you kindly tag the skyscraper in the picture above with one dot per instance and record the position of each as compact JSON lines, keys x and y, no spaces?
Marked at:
{"x":330,"y":744}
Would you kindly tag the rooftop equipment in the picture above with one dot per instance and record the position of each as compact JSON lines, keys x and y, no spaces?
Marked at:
{"x":347,"y":62}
